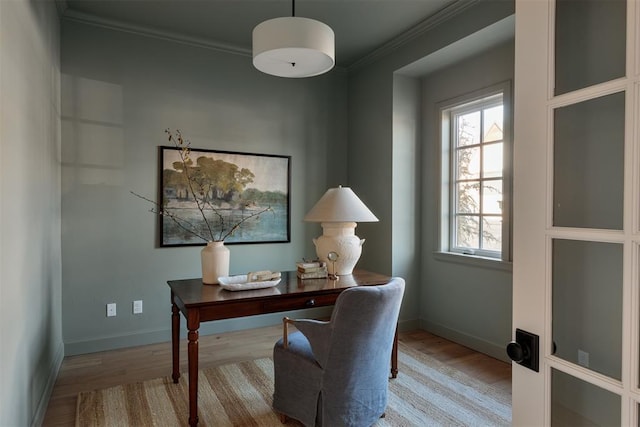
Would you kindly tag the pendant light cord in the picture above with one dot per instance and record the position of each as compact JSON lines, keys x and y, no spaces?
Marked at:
{"x":293,"y":14}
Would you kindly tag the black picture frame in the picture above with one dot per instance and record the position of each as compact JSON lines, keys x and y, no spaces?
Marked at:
{"x":237,"y":187}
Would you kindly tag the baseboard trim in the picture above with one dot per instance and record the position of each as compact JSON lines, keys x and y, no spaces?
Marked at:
{"x":43,"y":404}
{"x":114,"y":342}
{"x":491,"y":349}
{"x":72,"y":348}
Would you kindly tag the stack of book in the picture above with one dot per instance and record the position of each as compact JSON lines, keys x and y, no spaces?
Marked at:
{"x":312,"y":270}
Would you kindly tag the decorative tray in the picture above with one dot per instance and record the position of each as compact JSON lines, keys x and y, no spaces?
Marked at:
{"x":239,"y":283}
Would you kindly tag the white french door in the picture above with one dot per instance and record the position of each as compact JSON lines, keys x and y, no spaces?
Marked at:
{"x":576,"y":249}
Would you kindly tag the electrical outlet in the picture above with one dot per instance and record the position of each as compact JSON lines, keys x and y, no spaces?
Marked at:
{"x":111,"y":309}
{"x":137,"y":307}
{"x":583,"y":358}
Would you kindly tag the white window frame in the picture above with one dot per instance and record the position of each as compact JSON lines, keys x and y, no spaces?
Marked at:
{"x":470,"y":102}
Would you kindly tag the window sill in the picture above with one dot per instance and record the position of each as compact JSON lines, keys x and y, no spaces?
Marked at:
{"x":474,"y":261}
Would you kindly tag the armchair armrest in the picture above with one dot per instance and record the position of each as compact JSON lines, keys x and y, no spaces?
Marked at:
{"x":317,"y":332}
{"x":285,"y":331}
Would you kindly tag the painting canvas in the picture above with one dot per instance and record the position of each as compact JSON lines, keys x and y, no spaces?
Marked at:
{"x":237,"y":187}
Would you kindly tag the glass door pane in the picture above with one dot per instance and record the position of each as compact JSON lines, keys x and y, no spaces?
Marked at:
{"x":587,"y":304}
{"x":578,"y":403}
{"x":588,"y":163}
{"x":590,"y":44}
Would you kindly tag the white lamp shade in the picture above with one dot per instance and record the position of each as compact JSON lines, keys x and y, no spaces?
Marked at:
{"x":293,"y":47}
{"x":340,"y":205}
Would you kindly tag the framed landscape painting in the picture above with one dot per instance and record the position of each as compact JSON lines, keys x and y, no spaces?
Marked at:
{"x":246,"y":195}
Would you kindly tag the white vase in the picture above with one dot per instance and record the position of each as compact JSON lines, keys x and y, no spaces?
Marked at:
{"x":215,"y":262}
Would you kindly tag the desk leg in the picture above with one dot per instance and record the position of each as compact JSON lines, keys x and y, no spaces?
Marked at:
{"x":193,"y":376}
{"x":175,"y":341}
{"x":394,"y":355}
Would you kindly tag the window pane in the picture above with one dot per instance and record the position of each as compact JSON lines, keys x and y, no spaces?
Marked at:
{"x":492,"y":197}
{"x":493,"y":124}
{"x":468,"y":197}
{"x":467,"y":231}
{"x":492,"y":160}
{"x":476,"y":191}
{"x":468,"y":163}
{"x":468,"y":128}
{"x":492,"y":233}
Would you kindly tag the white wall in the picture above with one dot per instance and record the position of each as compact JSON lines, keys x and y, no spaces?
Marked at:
{"x":30,"y":289}
{"x":119,"y":92}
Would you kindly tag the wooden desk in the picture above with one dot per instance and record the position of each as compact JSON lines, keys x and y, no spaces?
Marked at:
{"x":202,"y":303}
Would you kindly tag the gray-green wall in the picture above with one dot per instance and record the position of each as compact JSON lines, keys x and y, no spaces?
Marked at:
{"x":31,"y":348}
{"x":468,"y":304}
{"x":119,"y":92}
{"x":405,"y":199}
{"x":79,"y":239}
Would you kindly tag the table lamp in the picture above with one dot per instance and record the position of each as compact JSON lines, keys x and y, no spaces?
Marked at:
{"x":338,"y":211}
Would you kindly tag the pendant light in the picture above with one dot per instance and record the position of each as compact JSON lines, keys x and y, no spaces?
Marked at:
{"x":293,"y":47}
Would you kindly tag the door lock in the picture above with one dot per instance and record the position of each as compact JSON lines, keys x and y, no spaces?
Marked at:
{"x":524,"y":350}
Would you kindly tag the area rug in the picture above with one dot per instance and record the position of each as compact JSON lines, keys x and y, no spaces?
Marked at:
{"x":425,"y":393}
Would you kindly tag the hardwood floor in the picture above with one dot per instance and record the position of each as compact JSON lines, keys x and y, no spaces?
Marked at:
{"x":106,"y":369}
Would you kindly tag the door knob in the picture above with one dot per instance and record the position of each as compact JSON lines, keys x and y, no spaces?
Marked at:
{"x":524,"y":350}
{"x":516,"y":352}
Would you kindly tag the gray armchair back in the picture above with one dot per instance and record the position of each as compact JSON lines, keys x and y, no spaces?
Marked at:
{"x":336,"y":373}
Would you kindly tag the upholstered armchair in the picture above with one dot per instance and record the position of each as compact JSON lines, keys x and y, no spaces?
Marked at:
{"x":336,"y":373}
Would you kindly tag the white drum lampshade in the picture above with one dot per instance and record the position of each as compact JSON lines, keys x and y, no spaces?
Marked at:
{"x":293,"y":47}
{"x":338,"y":211}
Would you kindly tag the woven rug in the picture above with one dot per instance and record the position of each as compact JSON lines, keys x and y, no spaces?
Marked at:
{"x":425,"y":393}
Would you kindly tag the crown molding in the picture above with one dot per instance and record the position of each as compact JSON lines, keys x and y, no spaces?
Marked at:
{"x":85,"y":18}
{"x":428,"y":24}
{"x":201,"y":42}
{"x":418,"y":30}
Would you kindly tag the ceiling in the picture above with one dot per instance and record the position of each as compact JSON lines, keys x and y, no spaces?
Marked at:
{"x":360,"y":26}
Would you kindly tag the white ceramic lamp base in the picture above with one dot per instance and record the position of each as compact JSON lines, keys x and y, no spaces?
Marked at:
{"x":339,"y":237}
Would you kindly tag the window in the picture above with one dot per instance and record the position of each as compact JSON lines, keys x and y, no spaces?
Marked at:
{"x":475,"y":185}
